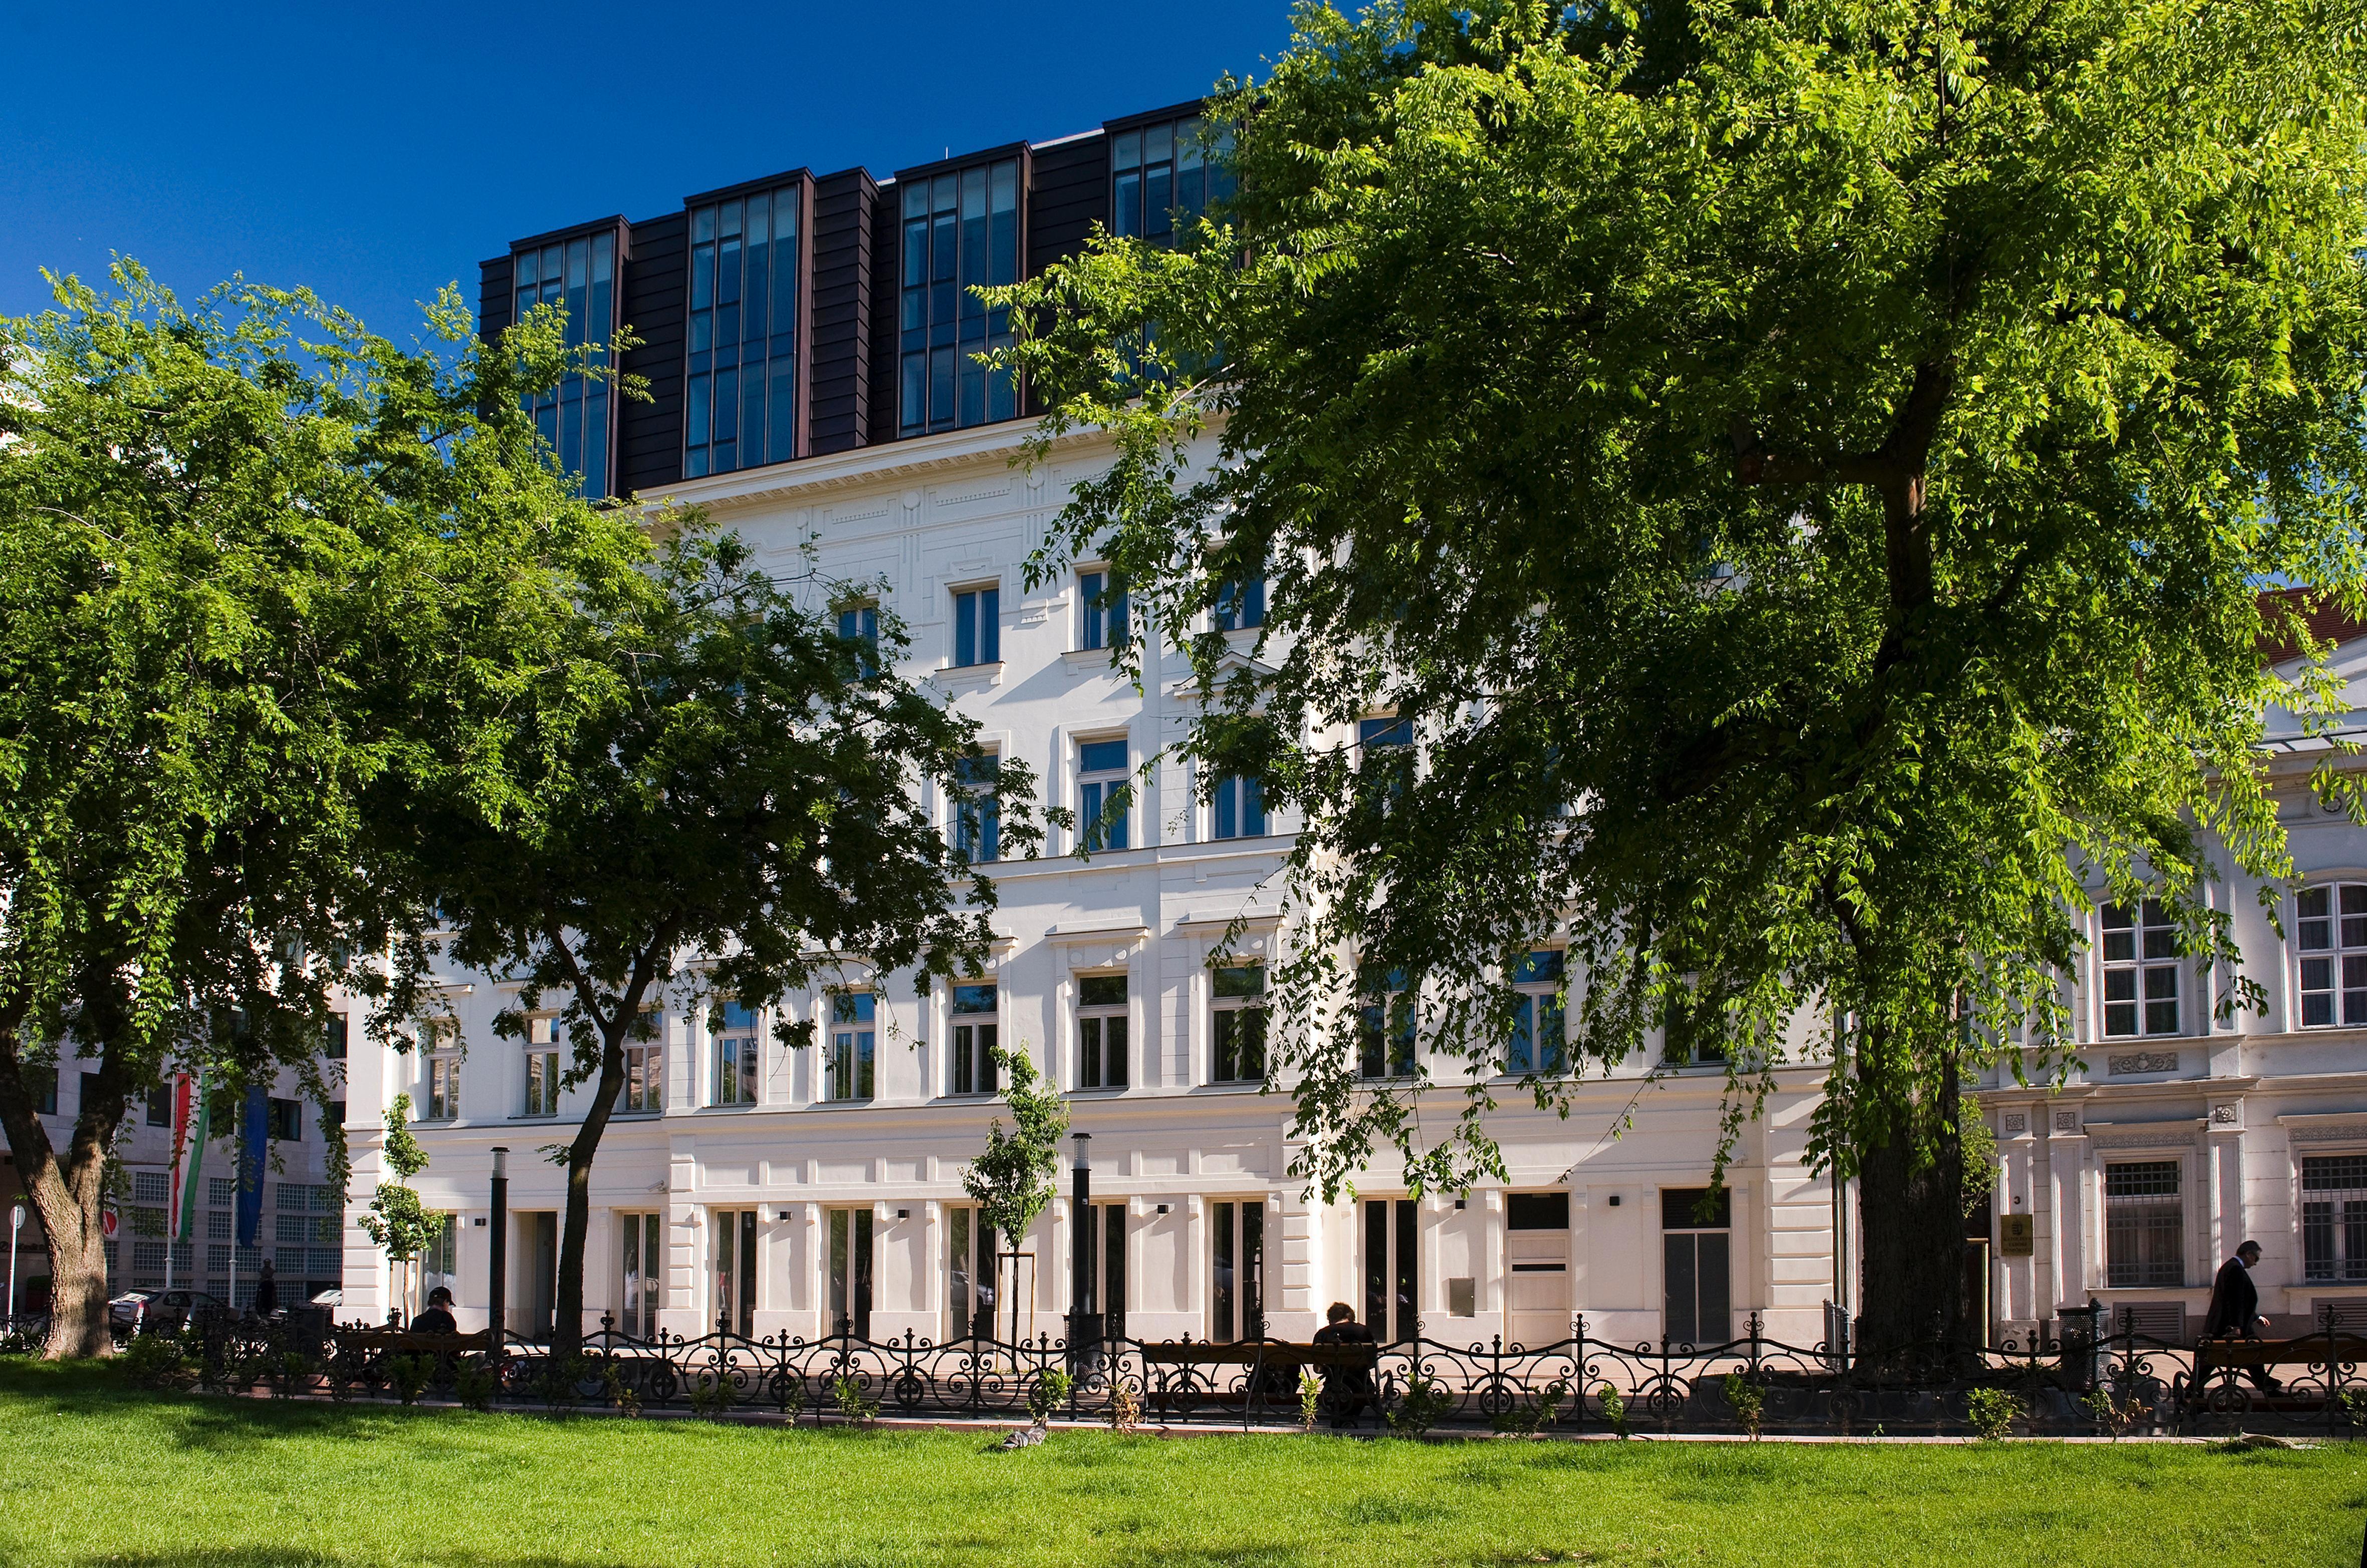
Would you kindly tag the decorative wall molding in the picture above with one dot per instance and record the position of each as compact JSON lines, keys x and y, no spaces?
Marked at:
{"x":2143,"y":1138}
{"x":2333,"y":1133}
{"x":2015,"y":1122}
{"x":2146,"y":1061}
{"x":2067,"y":1121}
{"x":2226,"y":1113}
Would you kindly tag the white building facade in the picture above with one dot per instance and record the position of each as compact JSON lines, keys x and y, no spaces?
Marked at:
{"x":795,"y":1191}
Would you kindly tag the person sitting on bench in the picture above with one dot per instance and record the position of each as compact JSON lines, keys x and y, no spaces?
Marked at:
{"x":1346,"y":1390}
{"x":438,"y":1318}
{"x":2236,"y":1309}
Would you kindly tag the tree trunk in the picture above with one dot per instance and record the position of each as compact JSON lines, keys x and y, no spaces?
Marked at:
{"x":68,"y":1196}
{"x":566,"y":1313}
{"x":1911,"y":1220}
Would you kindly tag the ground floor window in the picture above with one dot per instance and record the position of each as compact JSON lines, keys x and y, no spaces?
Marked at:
{"x":734,"y":1247}
{"x":1536,"y":1266}
{"x":1237,"y":1272}
{"x":2334,"y":1217}
{"x":850,"y":1272}
{"x":1392,"y":1268}
{"x":1105,"y":1240}
{"x":972,"y":1272}
{"x":1695,"y":1265}
{"x":2145,"y":1225}
{"x":644,"y":1272}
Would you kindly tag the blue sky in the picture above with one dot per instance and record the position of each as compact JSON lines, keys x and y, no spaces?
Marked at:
{"x":375,"y":152}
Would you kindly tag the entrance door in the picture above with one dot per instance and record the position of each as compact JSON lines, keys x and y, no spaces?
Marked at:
{"x":645,"y":1271}
{"x":1109,"y":1271}
{"x":538,"y":1257}
{"x":734,"y":1270}
{"x":1694,"y":1242}
{"x":971,"y":1276}
{"x":850,"y":1272}
{"x":1237,"y":1272}
{"x":1392,"y":1268}
{"x":1536,"y":1267}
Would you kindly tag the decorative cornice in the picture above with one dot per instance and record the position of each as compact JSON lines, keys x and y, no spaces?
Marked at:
{"x":2144,"y":1062}
{"x":2328,"y":1133}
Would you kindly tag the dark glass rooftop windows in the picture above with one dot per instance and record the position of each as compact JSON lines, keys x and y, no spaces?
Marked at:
{"x":960,"y":231}
{"x":740,"y":400}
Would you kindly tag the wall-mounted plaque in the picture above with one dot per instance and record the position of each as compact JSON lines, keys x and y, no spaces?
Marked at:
{"x":2017,"y":1236}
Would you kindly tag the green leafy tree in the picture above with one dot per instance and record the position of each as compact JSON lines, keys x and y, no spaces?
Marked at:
{"x":396,"y":1223}
{"x":652,"y":769}
{"x":1013,"y":1179}
{"x":1803,"y":477}
{"x":192,"y":519}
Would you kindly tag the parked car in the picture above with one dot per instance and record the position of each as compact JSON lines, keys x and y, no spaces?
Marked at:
{"x":334,"y":1299}
{"x":134,"y":1310}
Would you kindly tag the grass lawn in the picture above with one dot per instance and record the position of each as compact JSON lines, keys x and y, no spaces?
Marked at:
{"x":93,"y":1473}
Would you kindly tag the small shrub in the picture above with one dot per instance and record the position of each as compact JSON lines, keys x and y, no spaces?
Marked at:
{"x":2116,"y":1416}
{"x":1125,"y":1405}
{"x":295,"y":1374}
{"x":852,"y":1404}
{"x":2352,"y":1402}
{"x":617,"y":1392}
{"x":1992,"y":1411}
{"x":713,"y":1395}
{"x":1615,"y":1409}
{"x":1749,"y":1401}
{"x":156,"y":1359}
{"x":409,"y":1376}
{"x":1311,"y":1399}
{"x":1050,"y":1391}
{"x":1527,"y":1421}
{"x":563,"y":1382}
{"x":1420,"y":1409}
{"x":474,"y":1383}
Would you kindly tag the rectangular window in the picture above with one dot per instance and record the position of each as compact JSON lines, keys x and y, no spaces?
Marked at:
{"x":1163,"y":177}
{"x":222,"y":1192}
{"x":1384,"y":1028}
{"x":542,"y":1066}
{"x":2140,"y":970}
{"x":859,"y":624}
{"x":645,"y":1275}
{"x":742,"y":364}
{"x":1237,"y":1272}
{"x":1101,"y":610}
{"x":1536,"y":1264}
{"x":1386,"y":746}
{"x":853,"y":1031}
{"x":645,"y":1065}
{"x":975,"y":1037}
{"x":150,"y":1186}
{"x":972,"y":1275}
{"x":1238,"y":1025}
{"x":1240,"y":803}
{"x":736,"y":1056}
{"x":977,"y":626}
{"x":1101,"y":1032}
{"x":1108,"y":1270}
{"x":332,"y":1038}
{"x":2334,"y":1218}
{"x":1696,"y":1257}
{"x":286,"y":1119}
{"x":1691,"y":1021}
{"x":2145,"y":1225}
{"x":961,"y":233}
{"x":42,"y":1084}
{"x":1539,"y":1041}
{"x":577,"y":276}
{"x":2332,"y":936}
{"x":978,"y":809}
{"x":1104,"y":789}
{"x":1241,"y":607}
{"x":850,"y":1272}
{"x":734,"y":1245}
{"x":441,"y":1047}
{"x":160,"y":1106}
{"x":1392,"y":1268}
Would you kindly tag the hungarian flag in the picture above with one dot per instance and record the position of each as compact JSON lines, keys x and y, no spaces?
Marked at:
{"x":188,"y":1153}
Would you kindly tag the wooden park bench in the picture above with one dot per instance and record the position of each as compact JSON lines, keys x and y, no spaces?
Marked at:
{"x":2212,"y":1357}
{"x":372,"y":1343}
{"x":1269,"y":1369}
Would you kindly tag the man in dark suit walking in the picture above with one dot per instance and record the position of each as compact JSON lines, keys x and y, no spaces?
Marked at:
{"x":2236,"y":1309}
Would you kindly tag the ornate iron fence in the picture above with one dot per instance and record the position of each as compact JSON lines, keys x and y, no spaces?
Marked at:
{"x":2090,"y":1377}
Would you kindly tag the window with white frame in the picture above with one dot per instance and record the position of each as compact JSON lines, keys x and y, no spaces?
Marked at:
{"x":439,"y":1044}
{"x":978,"y":808}
{"x":2145,"y":1225}
{"x":737,"y":1054}
{"x":854,"y":1033}
{"x":1240,"y":606}
{"x":1386,"y":748}
{"x":1237,"y":1033}
{"x":2140,"y":970}
{"x":859,"y":624}
{"x":1384,"y":1028}
{"x":973,"y":1271}
{"x":542,"y":1066}
{"x":1101,"y":1032}
{"x":2332,"y":936}
{"x":1104,"y":792}
{"x":644,"y":1257}
{"x":1101,"y":609}
{"x":1237,"y":805}
{"x":2334,"y":1218}
{"x":1539,"y":1042}
{"x":977,"y":625}
{"x":977,"y":1030}
{"x":645,"y":1066}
